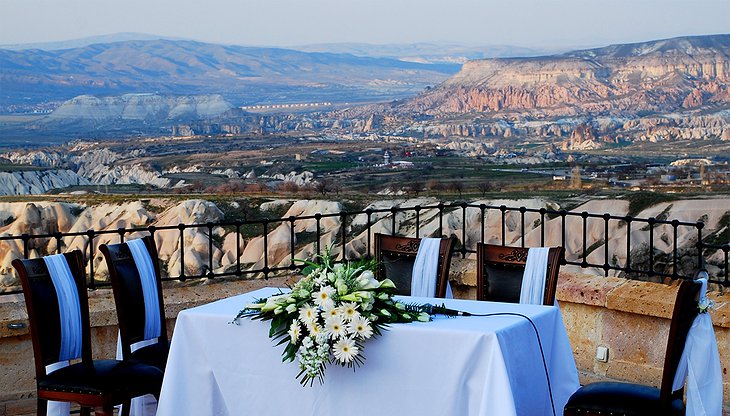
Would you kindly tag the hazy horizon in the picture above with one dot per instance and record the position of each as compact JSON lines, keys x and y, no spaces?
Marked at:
{"x":547,"y":24}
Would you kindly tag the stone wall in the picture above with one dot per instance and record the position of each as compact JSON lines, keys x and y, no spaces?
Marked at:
{"x":628,"y":317}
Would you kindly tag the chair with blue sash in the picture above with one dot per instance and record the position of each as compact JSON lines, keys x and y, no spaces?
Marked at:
{"x":135,"y":275}
{"x":58,"y":313}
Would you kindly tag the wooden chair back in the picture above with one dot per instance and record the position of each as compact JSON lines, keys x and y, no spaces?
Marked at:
{"x":42,"y":304}
{"x":128,"y":294}
{"x":396,"y":255}
{"x":500,"y":270}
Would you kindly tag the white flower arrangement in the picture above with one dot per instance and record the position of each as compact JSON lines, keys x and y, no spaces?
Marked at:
{"x":329,"y":313}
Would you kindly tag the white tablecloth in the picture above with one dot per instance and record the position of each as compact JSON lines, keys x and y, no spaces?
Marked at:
{"x":450,"y":366}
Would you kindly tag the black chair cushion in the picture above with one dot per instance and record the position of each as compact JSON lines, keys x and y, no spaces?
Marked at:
{"x":155,"y":354}
{"x":613,"y":398}
{"x":104,"y":377}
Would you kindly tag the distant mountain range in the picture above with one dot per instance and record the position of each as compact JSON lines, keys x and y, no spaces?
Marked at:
{"x":425,"y":52}
{"x":244,"y":75}
{"x":82,"y":42}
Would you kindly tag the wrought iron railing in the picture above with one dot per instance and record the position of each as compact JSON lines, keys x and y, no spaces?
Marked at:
{"x":531,"y":227}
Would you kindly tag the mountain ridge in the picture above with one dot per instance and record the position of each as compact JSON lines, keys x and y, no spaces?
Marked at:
{"x":663,"y":75}
{"x":245,"y":75}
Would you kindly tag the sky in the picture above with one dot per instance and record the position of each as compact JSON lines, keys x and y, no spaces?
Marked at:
{"x":528,"y":23}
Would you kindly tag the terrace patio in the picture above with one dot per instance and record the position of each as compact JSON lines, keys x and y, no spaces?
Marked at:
{"x":600,"y":306}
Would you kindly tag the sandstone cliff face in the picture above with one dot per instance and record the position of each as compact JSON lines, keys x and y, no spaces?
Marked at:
{"x":652,"y":76}
{"x":46,"y":217}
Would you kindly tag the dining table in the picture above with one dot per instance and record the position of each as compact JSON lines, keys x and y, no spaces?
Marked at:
{"x":515,"y":360}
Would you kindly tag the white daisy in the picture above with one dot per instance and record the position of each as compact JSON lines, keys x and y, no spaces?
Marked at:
{"x":332,"y":312}
{"x":345,"y":350}
{"x":335,"y":327}
{"x":307,"y":313}
{"x":294,"y":331}
{"x":361,"y":326}
{"x":324,"y":298}
{"x":314,"y":328}
{"x":349,"y":310}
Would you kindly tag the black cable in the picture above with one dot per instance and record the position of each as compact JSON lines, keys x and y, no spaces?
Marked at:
{"x":435,"y":309}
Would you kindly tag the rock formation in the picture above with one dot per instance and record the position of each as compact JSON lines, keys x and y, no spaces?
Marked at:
{"x":31,"y":182}
{"x":152,"y":107}
{"x":85,"y":164}
{"x":656,"y":76}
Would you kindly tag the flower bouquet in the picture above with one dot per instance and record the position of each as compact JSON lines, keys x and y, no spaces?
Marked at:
{"x":329,"y":313}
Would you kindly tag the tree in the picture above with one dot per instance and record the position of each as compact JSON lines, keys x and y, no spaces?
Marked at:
{"x":416,"y":186}
{"x":288,"y":187}
{"x":485,"y":187}
{"x":457,"y":186}
{"x":323,"y":186}
{"x":434,"y":185}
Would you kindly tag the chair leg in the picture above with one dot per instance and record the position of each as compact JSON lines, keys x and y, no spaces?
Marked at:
{"x":42,"y":407}
{"x":126,"y":407}
{"x":104,"y":411}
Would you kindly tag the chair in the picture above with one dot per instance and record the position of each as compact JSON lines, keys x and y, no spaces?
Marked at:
{"x":58,"y":315}
{"x":500,"y":270}
{"x":614,"y":398}
{"x":129,"y":298}
{"x":395,"y":257}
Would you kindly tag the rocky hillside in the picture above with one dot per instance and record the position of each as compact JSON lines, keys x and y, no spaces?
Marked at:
{"x":82,"y":164}
{"x":34,"y":182}
{"x":657,"y":76}
{"x":141,"y":162}
{"x":47,"y":217}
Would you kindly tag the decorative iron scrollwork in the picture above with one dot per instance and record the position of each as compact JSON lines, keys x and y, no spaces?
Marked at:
{"x":411,"y":246}
{"x":122,"y":255}
{"x":515,"y":256}
{"x":36,"y":270}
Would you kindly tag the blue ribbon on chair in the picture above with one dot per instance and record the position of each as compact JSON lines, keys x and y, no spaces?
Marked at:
{"x":143,"y":261}
{"x":69,"y":307}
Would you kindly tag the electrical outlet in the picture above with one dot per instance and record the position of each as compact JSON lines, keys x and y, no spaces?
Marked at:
{"x":602,"y":354}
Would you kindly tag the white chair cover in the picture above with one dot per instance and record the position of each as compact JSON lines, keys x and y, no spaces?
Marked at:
{"x":700,"y":366}
{"x":143,"y":261}
{"x":425,"y":270}
{"x":533,"y":278}
{"x":69,"y":308}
